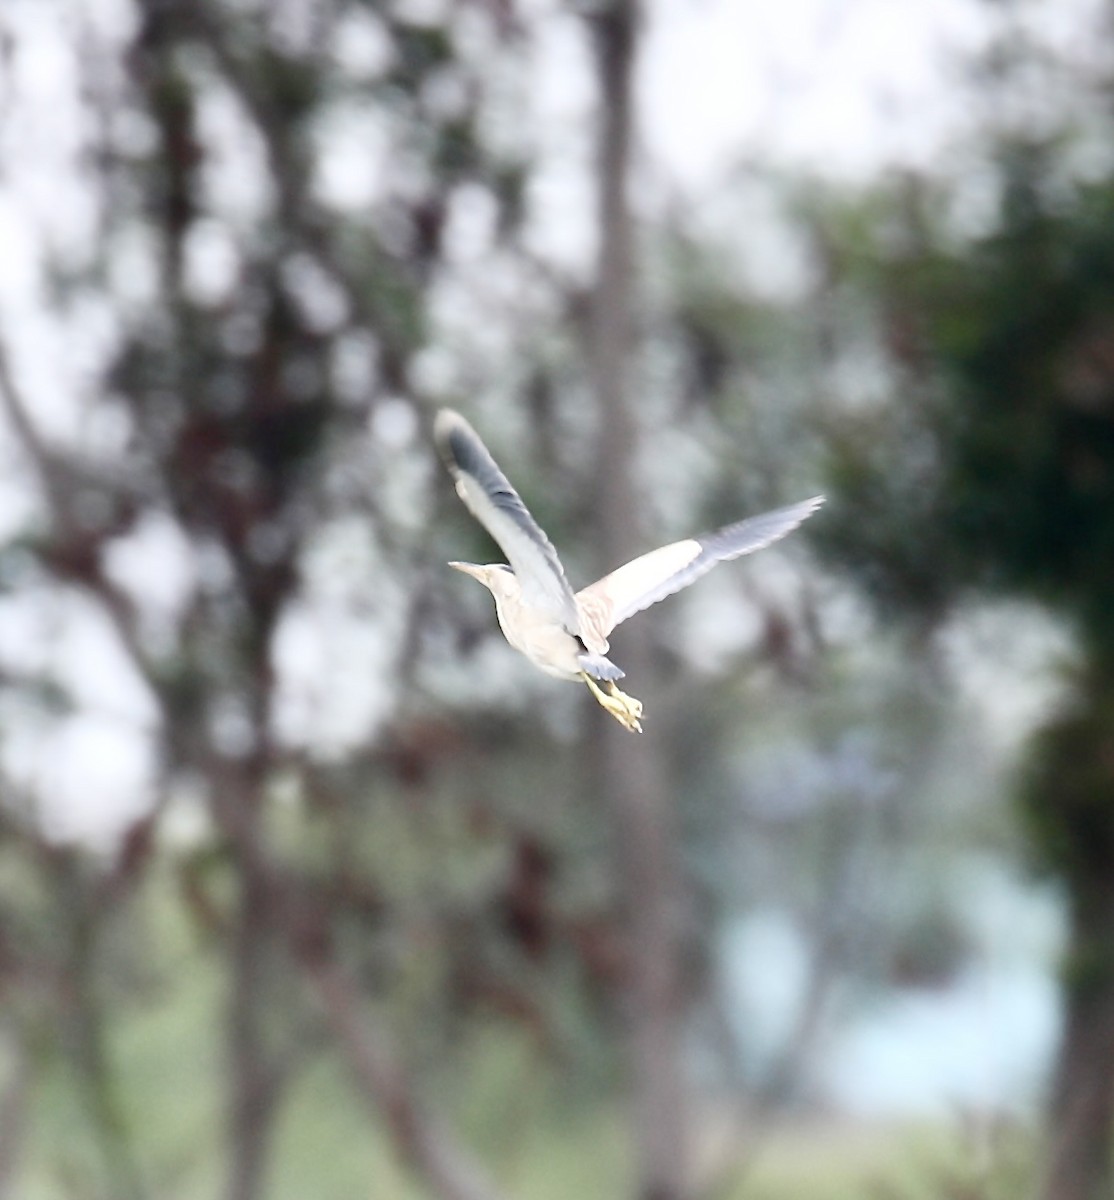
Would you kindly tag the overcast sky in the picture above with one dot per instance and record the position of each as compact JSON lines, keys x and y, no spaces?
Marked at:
{"x":838,"y":87}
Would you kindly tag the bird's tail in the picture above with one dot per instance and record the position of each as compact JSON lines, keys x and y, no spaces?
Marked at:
{"x":599,"y":667}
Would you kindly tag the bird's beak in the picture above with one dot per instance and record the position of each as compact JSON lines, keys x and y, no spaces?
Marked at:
{"x":469,"y":569}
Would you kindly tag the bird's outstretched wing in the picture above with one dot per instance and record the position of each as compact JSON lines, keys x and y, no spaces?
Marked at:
{"x":646,"y":580}
{"x":489,"y":496}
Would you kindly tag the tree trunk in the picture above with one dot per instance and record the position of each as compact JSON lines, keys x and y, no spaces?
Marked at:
{"x":254,"y":1077}
{"x":14,"y":1106}
{"x":423,"y":1142}
{"x":1083,"y":1097}
{"x":252,"y":1084}
{"x":1070,"y":806}
{"x":87,"y":1029}
{"x":628,"y":770}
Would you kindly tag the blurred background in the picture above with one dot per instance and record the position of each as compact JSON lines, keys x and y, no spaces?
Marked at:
{"x":309,"y":885}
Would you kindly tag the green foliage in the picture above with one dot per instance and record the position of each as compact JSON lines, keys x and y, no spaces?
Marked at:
{"x":996,"y":470}
{"x":1030,"y":479}
{"x":1008,"y":341}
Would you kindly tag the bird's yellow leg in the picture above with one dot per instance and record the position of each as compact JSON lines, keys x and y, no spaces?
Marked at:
{"x":625,"y":709}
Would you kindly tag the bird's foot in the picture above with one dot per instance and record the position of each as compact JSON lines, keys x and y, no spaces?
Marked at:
{"x":625,"y":709}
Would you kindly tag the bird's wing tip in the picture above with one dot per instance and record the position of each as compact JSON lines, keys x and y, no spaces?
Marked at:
{"x":455,"y":439}
{"x":804,"y":509}
{"x":801,"y":511}
{"x":445,"y":422}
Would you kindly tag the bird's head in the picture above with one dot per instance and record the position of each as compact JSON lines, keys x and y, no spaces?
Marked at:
{"x":496,"y":577}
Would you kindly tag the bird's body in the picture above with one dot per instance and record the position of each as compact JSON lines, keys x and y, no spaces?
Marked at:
{"x":563,"y":633}
{"x":548,"y":646}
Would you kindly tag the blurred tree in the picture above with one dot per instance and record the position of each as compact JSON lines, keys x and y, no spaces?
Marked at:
{"x":628,"y":773}
{"x":254,"y":331}
{"x":281,"y":198}
{"x":996,"y":474}
{"x":306,"y":228}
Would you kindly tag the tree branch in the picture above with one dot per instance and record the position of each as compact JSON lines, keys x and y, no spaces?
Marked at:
{"x":424,"y":1143}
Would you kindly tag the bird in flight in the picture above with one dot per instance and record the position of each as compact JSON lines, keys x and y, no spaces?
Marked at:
{"x":565,"y":632}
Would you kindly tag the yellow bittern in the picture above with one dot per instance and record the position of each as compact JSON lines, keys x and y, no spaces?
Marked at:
{"x":562,"y":632}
